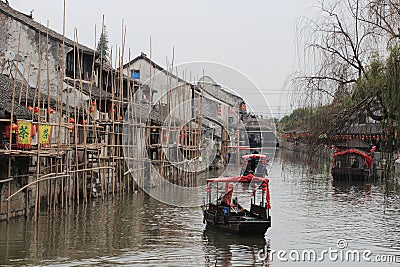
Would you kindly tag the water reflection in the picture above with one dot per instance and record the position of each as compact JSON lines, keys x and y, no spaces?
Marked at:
{"x":309,"y":211}
{"x":319,"y":211}
{"x":133,"y":230}
{"x":224,"y":249}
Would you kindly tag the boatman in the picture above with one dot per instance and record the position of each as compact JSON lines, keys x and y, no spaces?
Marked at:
{"x":228,"y":195}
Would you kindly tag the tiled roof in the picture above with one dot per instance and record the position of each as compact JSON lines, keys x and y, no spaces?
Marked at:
{"x":156,"y":66}
{"x":6,"y":94}
{"x":24,"y":19}
{"x":90,"y":89}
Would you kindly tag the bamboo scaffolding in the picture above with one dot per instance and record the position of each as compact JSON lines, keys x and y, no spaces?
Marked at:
{"x":87,"y":151}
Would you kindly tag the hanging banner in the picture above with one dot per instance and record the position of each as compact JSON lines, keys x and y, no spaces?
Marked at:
{"x":24,"y":132}
{"x":44,"y":133}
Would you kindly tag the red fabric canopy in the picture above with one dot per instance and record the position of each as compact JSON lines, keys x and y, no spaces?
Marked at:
{"x":254,"y":156}
{"x":237,"y":179}
{"x":240,"y":179}
{"x":367,"y":157}
{"x":268,"y":198}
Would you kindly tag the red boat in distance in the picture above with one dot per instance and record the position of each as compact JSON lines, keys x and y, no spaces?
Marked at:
{"x":254,"y":165}
{"x":352,"y":164}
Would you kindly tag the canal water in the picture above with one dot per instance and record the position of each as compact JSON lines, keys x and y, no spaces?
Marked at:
{"x":310,"y":214}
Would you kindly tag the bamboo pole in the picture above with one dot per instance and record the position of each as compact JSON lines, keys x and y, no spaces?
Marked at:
{"x":38,"y":86}
{"x":11,"y":122}
{"x":93,"y":131}
{"x":75,"y":186}
{"x":113,"y":90}
{"x":47,"y":112}
{"x":63,"y":193}
{"x":121,"y":98}
{"x":55,"y":176}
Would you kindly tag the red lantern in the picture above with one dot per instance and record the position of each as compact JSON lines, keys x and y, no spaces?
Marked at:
{"x":71,"y":120}
{"x":7,"y":131}
{"x":165,"y":137}
{"x":51,"y":111}
{"x":91,"y":110}
{"x":14,"y":127}
{"x":120,"y":118}
{"x":33,"y":130}
{"x":36,"y":109}
{"x":264,"y":187}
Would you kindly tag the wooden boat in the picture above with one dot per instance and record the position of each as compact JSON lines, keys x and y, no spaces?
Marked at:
{"x":228,"y":215}
{"x":254,"y":164}
{"x":352,"y":164}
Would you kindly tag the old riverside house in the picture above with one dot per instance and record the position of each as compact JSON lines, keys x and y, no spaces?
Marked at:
{"x":62,"y":120}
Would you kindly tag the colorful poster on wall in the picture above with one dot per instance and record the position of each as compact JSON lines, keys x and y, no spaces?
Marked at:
{"x":24,"y":132}
{"x":44,"y":133}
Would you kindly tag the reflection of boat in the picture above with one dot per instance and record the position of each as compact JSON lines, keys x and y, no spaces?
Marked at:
{"x":228,"y":215}
{"x":354,"y":187}
{"x":234,"y":250}
{"x":223,"y":239}
{"x":352,"y":164}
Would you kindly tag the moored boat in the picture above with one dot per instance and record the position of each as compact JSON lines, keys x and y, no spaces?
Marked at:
{"x":254,"y":164}
{"x":352,"y":164}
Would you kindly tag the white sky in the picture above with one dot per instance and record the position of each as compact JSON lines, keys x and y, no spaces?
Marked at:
{"x":256,"y":37}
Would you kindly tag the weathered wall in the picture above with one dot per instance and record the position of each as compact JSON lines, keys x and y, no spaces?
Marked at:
{"x":32,"y":47}
{"x":41,"y":58}
{"x":17,"y":203}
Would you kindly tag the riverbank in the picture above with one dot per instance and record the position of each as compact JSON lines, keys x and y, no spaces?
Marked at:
{"x":380,"y":159}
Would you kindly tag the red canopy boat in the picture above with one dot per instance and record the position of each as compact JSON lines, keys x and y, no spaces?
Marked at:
{"x":352,"y":164}
{"x":225,"y":213}
{"x":254,"y":164}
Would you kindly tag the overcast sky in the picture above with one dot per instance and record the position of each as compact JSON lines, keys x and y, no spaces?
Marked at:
{"x":256,"y":37}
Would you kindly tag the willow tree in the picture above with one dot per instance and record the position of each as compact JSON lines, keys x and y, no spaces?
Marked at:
{"x":337,"y":45}
{"x":381,"y":86}
{"x":384,"y":16}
